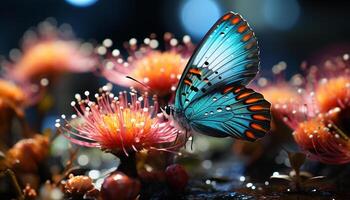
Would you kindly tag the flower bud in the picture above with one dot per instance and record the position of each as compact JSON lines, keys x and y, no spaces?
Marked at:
{"x":119,"y":186}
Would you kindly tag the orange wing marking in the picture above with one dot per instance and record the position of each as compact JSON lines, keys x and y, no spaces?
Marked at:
{"x":257,"y":127}
{"x":247,"y":37}
{"x":236,"y":20}
{"x":226,"y":17}
{"x":242,"y":28}
{"x":260,"y":117}
{"x":241,"y":96}
{"x":250,"y":135}
{"x":252,"y":100}
{"x":226,"y":90}
{"x":188,"y":82}
{"x":257,"y":108}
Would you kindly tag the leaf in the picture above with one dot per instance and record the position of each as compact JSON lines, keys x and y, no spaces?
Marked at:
{"x":280,"y":178}
{"x":317,"y":181}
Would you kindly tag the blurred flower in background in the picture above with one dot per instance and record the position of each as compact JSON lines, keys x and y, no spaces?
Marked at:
{"x":158,"y":70}
{"x":12,"y":103}
{"x":320,"y":119}
{"x":26,"y":157}
{"x":47,"y":52}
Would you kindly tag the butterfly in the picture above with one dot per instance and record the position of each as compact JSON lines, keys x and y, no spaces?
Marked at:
{"x":211,"y":97}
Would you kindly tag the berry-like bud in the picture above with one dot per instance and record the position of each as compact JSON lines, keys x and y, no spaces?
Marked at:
{"x":176,"y":177}
{"x":119,"y":186}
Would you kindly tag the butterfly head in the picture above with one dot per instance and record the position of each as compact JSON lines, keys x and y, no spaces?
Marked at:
{"x":176,"y":118}
{"x":168,"y":111}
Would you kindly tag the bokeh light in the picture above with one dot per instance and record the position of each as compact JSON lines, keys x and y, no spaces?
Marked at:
{"x":253,"y":16}
{"x":81,"y":3}
{"x":277,"y":14}
{"x":197,"y":16}
{"x":281,"y":14}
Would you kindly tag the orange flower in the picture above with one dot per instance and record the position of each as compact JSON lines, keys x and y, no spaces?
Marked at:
{"x":320,"y":117}
{"x":46,"y":53}
{"x":323,"y":141}
{"x":158,"y":70}
{"x":280,"y":95}
{"x":114,"y":124}
{"x":332,"y":93}
{"x":47,"y":59}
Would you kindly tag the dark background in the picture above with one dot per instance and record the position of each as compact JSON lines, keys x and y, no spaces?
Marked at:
{"x":321,"y":27}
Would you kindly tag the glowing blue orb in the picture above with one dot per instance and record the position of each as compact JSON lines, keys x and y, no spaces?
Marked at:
{"x":197,"y":16}
{"x":281,"y":14}
{"x":81,"y":3}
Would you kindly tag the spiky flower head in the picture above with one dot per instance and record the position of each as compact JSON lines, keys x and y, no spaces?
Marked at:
{"x":323,"y":140}
{"x":159,"y":70}
{"x":320,"y":119}
{"x":118,"y":125}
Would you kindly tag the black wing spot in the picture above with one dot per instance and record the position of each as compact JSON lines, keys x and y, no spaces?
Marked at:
{"x":194,"y":88}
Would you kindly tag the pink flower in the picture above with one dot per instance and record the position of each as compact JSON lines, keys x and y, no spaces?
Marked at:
{"x":46,"y":53}
{"x":323,"y":141}
{"x":117,"y":125}
{"x":159,"y":70}
{"x":320,"y":119}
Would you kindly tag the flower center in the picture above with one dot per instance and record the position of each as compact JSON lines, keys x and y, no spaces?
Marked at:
{"x":131,"y":124}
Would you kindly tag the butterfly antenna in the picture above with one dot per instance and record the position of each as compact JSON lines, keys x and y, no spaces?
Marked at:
{"x":177,"y":137}
{"x":192,"y":140}
{"x":144,"y":85}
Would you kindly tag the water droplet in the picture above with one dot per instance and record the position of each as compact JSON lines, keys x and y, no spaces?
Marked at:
{"x":206,"y":64}
{"x":228,"y":108}
{"x":205,"y":113}
{"x":222,"y":33}
{"x":187,"y":101}
{"x":219,"y":109}
{"x":214,"y":98}
{"x":211,"y":112}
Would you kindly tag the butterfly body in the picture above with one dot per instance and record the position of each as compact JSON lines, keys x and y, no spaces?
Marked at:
{"x":211,"y":97}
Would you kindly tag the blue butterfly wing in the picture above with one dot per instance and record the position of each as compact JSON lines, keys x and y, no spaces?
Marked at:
{"x":227,"y":55}
{"x":234,"y":111}
{"x":211,"y":93}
